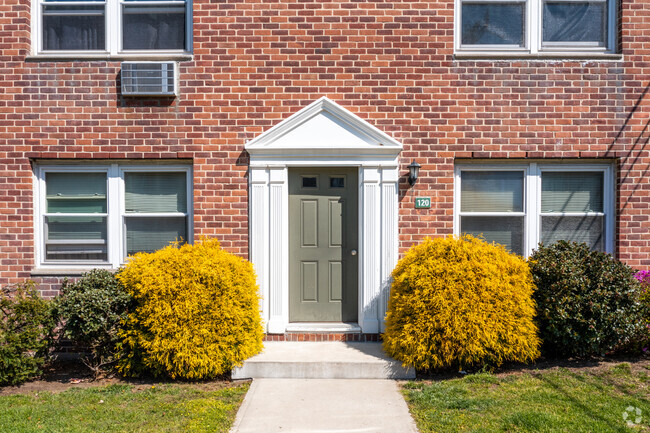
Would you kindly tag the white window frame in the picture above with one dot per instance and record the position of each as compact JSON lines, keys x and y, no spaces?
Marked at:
{"x":115,"y":206}
{"x":533,"y":45}
{"x":113,"y":27}
{"x":533,"y":196}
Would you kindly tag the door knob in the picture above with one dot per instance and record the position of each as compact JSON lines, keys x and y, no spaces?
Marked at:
{"x":353,"y":252}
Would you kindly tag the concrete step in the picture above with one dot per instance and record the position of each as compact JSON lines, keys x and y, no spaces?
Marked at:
{"x":322,"y":360}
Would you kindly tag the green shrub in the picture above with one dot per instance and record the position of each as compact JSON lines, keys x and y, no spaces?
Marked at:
{"x":91,"y":311}
{"x":460,"y":302}
{"x":196,"y":312}
{"x":588,"y":303}
{"x":26,"y":328}
{"x":644,"y":339}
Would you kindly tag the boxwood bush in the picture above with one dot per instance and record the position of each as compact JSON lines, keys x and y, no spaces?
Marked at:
{"x":196,"y":312}
{"x":588,"y":303}
{"x":91,"y":310}
{"x":26,"y":329}
{"x":460,"y":302}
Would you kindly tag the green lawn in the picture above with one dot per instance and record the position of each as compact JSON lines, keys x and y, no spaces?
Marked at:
{"x":123,"y":408}
{"x":553,"y":401}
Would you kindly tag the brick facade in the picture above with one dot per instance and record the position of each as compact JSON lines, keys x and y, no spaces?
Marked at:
{"x":390,"y":62}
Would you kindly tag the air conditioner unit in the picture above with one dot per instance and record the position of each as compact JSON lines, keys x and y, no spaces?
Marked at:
{"x":148,"y":78}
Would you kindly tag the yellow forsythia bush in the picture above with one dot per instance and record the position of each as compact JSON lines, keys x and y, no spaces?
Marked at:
{"x":460,"y":302}
{"x":196,"y":312}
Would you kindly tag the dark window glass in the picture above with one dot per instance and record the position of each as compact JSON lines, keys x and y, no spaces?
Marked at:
{"x":574,"y":22}
{"x":309,"y":182}
{"x":337,"y":182}
{"x":79,"y":28}
{"x":493,"y":24}
{"x":153,"y":27}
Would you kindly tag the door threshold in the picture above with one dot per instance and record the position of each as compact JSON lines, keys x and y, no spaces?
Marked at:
{"x":329,"y":327}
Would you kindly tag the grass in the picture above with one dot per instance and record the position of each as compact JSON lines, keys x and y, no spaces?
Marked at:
{"x":553,"y":401}
{"x":123,"y":408}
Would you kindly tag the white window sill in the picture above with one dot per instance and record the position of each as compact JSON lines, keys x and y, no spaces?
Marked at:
{"x":102,"y":56}
{"x":66,"y":271}
{"x":546,"y":55}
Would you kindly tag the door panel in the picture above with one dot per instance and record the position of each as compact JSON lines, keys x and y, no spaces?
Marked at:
{"x":309,"y":281}
{"x":336,"y":280}
{"x":309,"y":223}
{"x":323,"y":220}
{"x":336,"y":229}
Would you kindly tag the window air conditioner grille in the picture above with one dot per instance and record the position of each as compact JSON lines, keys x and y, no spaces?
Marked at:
{"x":148,"y":79}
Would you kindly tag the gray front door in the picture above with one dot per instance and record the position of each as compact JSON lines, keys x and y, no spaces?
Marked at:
{"x":323,"y":221}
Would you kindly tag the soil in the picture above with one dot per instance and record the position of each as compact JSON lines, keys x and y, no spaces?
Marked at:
{"x":637,"y":364}
{"x":63,"y":375}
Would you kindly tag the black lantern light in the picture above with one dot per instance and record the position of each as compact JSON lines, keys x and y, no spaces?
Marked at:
{"x":414,"y":170}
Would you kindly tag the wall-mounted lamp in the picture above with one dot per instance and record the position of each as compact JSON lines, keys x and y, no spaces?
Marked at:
{"x":414,"y":170}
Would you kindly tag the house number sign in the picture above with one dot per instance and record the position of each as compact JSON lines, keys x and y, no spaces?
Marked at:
{"x":423,"y":203}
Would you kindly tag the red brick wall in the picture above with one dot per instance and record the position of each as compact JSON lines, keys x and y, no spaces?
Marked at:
{"x":391,"y":62}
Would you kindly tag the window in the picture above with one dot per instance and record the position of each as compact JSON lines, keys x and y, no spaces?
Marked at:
{"x":337,"y":182}
{"x":521,"y":205}
{"x":310,"y":182}
{"x":114,"y":27}
{"x":98,"y":215}
{"x":535,"y":27}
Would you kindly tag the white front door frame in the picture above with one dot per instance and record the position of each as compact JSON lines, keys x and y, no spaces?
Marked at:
{"x":324,"y":135}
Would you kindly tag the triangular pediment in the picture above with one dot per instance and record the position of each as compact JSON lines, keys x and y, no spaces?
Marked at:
{"x":324,"y":127}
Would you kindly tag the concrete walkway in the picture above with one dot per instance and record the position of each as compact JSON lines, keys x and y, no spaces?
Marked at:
{"x":323,"y":406}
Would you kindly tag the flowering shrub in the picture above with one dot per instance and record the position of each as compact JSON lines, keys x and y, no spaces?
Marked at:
{"x":588,"y":303}
{"x":460,"y":302}
{"x":196,"y":312}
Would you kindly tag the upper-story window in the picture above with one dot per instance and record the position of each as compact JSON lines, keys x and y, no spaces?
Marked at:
{"x":113,"y":27}
{"x":535,"y":27}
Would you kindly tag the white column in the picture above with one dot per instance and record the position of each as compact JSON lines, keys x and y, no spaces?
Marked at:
{"x":278,"y":250}
{"x":389,"y":235}
{"x":370,"y":221}
{"x":259,"y":232}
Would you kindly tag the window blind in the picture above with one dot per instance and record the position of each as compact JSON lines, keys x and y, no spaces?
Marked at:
{"x":155,"y":192}
{"x":488,"y":191}
{"x":587,"y":229}
{"x":66,"y":228}
{"x":151,"y":234}
{"x":507,"y":231}
{"x":572,"y":192}
{"x":75,"y":192}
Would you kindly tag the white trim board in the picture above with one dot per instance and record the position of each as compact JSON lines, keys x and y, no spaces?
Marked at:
{"x":323,"y":134}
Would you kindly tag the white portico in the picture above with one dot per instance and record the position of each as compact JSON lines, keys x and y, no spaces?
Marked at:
{"x":324,"y":134}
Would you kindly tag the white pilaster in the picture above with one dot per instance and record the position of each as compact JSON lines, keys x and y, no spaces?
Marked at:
{"x":370,"y":230}
{"x":259,"y":228}
{"x":278,"y":250}
{"x":389,"y":236}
